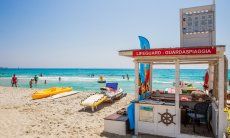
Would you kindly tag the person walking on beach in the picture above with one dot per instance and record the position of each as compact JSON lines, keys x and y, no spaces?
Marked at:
{"x":14,"y":81}
{"x":31,"y":83}
{"x":36,"y":79}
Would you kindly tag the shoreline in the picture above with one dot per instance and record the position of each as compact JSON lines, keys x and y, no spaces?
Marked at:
{"x":63,"y":117}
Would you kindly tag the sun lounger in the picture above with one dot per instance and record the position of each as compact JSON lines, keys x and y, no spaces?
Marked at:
{"x":94,"y":100}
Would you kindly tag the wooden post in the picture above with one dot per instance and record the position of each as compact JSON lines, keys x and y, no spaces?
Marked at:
{"x":225,"y":79}
{"x":211,"y":78}
{"x":215,"y":81}
{"x":209,"y":69}
{"x":222,"y":118}
{"x":136,"y":96}
{"x":151,"y":79}
{"x":136,"y":80}
{"x":177,"y":97}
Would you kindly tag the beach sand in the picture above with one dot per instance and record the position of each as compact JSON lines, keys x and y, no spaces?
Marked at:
{"x":64,"y":117}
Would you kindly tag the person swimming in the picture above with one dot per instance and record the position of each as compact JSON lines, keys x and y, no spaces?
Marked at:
{"x":36,"y":79}
{"x":101,"y":78}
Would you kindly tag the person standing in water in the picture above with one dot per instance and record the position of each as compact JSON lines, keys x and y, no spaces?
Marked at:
{"x":59,"y":79}
{"x":14,"y":81}
{"x":127,"y":76}
{"x":36,"y":79}
{"x":45,"y":82}
{"x":31,"y":83}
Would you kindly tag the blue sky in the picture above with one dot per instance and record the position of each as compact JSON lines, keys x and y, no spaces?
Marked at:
{"x":89,"y":33}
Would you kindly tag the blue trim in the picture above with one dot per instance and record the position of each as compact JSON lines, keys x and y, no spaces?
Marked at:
{"x":131,"y":115}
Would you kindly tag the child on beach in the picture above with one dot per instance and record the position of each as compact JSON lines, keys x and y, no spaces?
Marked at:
{"x":31,"y":83}
{"x":14,"y":81}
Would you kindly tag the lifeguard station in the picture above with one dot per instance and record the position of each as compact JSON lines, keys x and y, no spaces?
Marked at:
{"x":161,"y":113}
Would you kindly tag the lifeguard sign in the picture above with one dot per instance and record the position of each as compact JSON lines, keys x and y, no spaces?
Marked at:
{"x":175,"y":51}
{"x":197,"y":26}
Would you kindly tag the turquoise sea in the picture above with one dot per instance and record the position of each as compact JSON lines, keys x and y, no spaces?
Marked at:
{"x":81,"y":79}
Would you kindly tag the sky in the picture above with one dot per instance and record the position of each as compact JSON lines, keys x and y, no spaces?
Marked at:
{"x":89,"y":33}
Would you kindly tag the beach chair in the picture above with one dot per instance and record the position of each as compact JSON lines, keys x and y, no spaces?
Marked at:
{"x":200,"y":112}
{"x":112,"y":91}
{"x":93,"y":100}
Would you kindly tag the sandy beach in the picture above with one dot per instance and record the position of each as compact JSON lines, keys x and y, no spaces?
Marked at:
{"x":63,"y":117}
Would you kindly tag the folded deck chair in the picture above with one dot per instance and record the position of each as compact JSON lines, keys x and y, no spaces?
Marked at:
{"x":111,"y":91}
{"x":93,"y":101}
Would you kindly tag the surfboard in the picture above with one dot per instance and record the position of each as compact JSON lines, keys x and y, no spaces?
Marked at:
{"x":63,"y":94}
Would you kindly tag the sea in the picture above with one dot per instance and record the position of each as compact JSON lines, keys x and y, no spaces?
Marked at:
{"x":86,"y":79}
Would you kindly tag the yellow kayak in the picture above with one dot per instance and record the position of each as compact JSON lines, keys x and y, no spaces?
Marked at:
{"x":50,"y":92}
